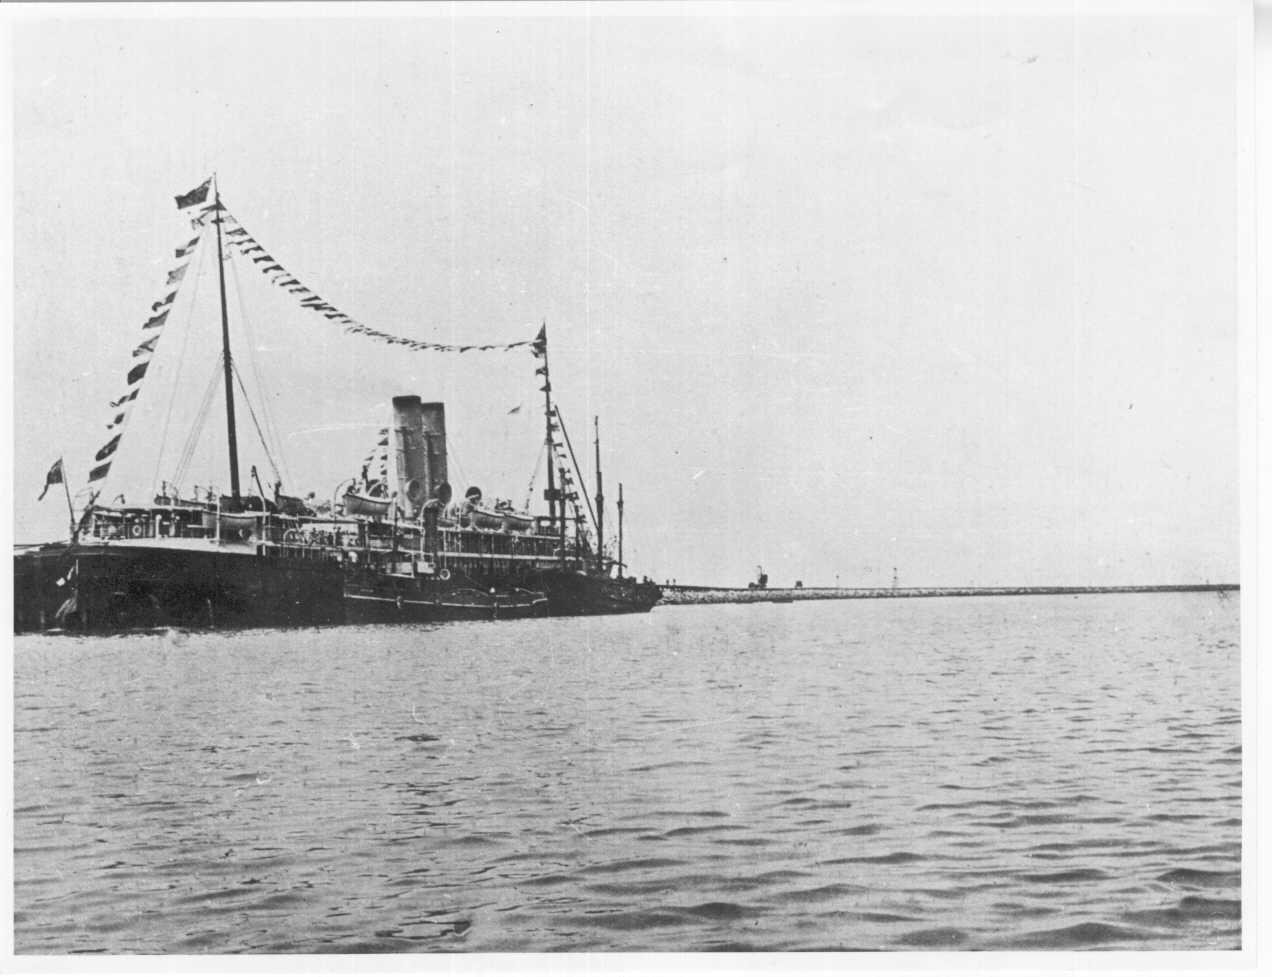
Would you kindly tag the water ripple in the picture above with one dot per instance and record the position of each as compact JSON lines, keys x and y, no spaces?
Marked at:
{"x":1033,"y":774}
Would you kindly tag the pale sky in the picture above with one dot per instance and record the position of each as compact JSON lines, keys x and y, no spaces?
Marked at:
{"x":954,"y":295}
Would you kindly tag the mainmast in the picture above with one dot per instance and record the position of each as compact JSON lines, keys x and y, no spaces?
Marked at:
{"x":600,"y":501}
{"x":620,"y":529}
{"x":225,"y":350}
{"x":550,"y":493}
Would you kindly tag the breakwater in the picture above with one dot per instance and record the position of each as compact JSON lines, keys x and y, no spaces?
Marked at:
{"x":690,"y":594}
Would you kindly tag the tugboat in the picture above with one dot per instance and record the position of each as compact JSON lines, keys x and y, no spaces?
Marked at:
{"x":379,"y":551}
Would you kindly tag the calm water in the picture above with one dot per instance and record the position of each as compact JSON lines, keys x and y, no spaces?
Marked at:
{"x":1016,"y":773}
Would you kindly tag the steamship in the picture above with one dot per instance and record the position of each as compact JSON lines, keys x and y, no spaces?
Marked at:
{"x":383,"y":549}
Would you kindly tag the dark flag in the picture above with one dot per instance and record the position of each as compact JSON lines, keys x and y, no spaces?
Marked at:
{"x":195,"y":196}
{"x":131,"y":395}
{"x":137,"y":372}
{"x":147,"y":347}
{"x":176,"y":274}
{"x":55,"y":477}
{"x":99,"y":472}
{"x":108,"y":448}
{"x":166,"y":300}
{"x":237,"y":232}
{"x":154,"y":322}
{"x":262,"y":257}
{"x":183,"y":251}
{"x":515,"y":410}
{"x":540,"y":344}
{"x":254,"y":247}
{"x":119,"y":419}
{"x":275,"y":267}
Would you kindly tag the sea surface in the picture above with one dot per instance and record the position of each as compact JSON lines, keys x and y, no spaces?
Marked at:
{"x":1023,"y":773}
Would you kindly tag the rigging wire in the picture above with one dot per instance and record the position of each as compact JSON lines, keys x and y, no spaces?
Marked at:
{"x":196,"y":427}
{"x":265,"y":392}
{"x":577,"y":471}
{"x":255,"y":423}
{"x":176,"y":386}
{"x":256,"y":374}
{"x":452,"y":456}
{"x":534,"y":475}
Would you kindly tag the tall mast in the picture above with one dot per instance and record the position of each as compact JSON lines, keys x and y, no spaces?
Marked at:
{"x":225,"y":351}
{"x":541,"y":350}
{"x":620,"y":529}
{"x":561,"y":524}
{"x":600,"y":501}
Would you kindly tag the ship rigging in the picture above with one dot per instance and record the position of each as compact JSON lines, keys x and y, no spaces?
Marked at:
{"x":401,"y":549}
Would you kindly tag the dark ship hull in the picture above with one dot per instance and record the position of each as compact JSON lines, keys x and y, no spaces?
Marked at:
{"x":571,"y":591}
{"x":109,"y":588}
{"x":115,"y":587}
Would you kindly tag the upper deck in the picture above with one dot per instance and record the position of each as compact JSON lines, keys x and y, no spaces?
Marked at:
{"x":451,"y":540}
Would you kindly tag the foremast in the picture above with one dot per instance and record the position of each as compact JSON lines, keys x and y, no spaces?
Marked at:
{"x":554,"y":496}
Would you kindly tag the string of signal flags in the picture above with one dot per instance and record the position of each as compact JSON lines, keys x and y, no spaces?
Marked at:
{"x":246,"y":245}
{"x":249,"y":247}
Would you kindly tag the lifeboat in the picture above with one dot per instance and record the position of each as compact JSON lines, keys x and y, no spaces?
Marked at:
{"x":501,"y":519}
{"x":358,"y":504}
{"x":231,"y":527}
{"x":517,"y":522}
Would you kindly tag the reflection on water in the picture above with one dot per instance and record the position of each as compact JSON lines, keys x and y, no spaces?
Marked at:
{"x":1001,"y":773}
